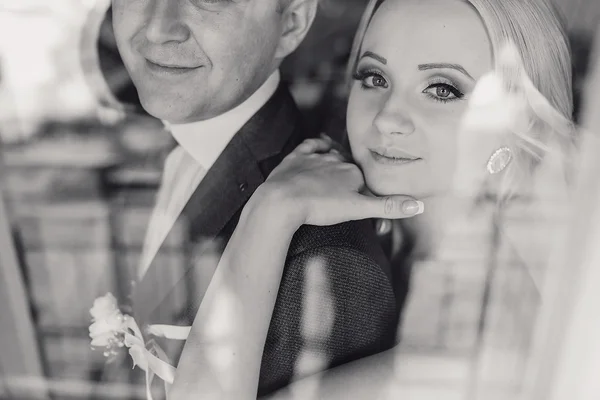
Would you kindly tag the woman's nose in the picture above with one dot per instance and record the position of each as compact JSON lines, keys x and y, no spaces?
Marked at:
{"x":394,"y":121}
{"x":165,"y":25}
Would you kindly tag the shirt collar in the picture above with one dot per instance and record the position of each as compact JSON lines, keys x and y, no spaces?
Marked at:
{"x":206,"y":140}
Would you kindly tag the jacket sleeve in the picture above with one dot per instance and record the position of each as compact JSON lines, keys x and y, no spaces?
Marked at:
{"x":335,"y":304}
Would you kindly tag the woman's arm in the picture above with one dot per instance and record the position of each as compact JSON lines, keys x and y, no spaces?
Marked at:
{"x":221,"y":358}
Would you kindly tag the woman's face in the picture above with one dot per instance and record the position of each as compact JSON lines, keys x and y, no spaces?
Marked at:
{"x":419,"y":62}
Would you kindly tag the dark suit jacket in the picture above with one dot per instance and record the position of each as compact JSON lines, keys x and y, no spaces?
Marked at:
{"x":348,"y":308}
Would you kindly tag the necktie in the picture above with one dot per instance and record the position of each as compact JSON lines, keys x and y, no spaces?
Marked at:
{"x":181,"y":176}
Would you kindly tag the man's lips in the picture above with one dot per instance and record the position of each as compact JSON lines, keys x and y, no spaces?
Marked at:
{"x":157,"y":65}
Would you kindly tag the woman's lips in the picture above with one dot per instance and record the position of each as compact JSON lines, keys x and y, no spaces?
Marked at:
{"x":393,"y":157}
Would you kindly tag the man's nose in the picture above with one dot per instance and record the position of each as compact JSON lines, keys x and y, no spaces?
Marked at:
{"x":165,"y":23}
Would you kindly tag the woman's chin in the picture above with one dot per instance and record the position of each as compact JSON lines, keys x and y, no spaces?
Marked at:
{"x":381,"y":187}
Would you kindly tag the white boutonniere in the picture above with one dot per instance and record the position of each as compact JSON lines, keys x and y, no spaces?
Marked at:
{"x":112,"y":330}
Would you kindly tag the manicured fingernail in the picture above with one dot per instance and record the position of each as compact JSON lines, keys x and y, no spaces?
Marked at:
{"x":413,"y":207}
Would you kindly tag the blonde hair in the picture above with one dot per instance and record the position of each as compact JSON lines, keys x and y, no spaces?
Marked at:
{"x":533,"y":26}
{"x":536,"y":30}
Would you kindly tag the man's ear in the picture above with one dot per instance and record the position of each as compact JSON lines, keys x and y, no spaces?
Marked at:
{"x":298,"y":16}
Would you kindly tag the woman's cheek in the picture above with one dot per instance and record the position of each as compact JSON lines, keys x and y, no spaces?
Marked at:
{"x":358,"y":121}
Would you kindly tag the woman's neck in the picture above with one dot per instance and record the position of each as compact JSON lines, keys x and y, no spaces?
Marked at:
{"x":429,"y":230}
{"x":426,"y":229}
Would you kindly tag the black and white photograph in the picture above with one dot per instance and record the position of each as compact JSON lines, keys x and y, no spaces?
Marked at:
{"x":299,"y":199}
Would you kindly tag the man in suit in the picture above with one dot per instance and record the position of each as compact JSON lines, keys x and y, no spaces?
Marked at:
{"x":210,"y":71}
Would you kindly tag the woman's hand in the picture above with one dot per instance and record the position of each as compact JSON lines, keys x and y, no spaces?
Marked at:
{"x":316,"y":185}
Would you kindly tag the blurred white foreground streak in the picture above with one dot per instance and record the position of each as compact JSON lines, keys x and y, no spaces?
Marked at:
{"x":526,"y":205}
{"x":506,"y":110}
{"x":531,"y":195}
{"x":566,"y":357}
{"x":49,"y":65}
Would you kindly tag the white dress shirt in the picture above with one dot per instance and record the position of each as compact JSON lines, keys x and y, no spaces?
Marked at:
{"x":199,"y":146}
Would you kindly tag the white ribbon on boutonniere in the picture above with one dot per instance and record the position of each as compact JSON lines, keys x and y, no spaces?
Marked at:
{"x":112,"y":330}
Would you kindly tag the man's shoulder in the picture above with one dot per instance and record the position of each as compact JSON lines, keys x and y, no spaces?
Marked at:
{"x":353,"y":238}
{"x":275,"y":130}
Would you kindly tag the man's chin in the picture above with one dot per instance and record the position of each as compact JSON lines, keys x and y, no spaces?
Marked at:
{"x":175,"y":111}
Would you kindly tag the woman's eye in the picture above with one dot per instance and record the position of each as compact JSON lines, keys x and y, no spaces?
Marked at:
{"x":370,"y":80}
{"x":375,"y":80}
{"x":443,"y":92}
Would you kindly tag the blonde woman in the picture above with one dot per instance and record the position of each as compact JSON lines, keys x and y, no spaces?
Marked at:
{"x":415,"y":66}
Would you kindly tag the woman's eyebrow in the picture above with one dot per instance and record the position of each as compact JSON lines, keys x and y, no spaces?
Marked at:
{"x":457,"y":67}
{"x":374,"y":56}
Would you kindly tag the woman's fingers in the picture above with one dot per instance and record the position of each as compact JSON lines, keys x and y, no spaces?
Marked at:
{"x":326,"y":137}
{"x":333,"y":156}
{"x":323,"y":145}
{"x":335,"y":146}
{"x":389,"y":207}
{"x":310,"y":146}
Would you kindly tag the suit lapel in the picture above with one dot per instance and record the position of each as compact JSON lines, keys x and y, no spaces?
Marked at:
{"x":227,"y":186}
